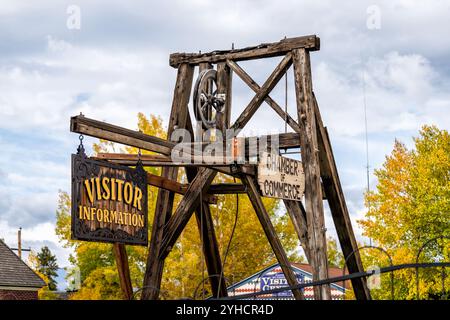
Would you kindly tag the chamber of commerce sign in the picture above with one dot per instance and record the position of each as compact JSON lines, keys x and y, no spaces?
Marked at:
{"x":280,"y":177}
{"x":109,"y":202}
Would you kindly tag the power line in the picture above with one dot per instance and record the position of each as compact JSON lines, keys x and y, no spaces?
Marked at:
{"x":366,"y":132}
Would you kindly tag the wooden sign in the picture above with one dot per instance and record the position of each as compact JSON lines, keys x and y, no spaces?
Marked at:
{"x":109,"y":202}
{"x":280,"y":177}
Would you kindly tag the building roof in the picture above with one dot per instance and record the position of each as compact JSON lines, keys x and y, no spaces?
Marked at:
{"x":16,"y":273}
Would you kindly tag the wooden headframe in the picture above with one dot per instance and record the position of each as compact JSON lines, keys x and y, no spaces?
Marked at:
{"x":321,"y":176}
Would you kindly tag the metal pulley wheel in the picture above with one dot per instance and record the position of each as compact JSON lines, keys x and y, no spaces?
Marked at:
{"x":207,"y":103}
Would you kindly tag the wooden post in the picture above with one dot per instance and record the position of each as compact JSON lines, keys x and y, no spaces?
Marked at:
{"x":19,"y":242}
{"x":224,"y":84}
{"x":205,"y":225}
{"x":271,"y":235}
{"x":313,"y":190}
{"x":298,"y":217}
{"x":164,"y":202}
{"x":120,"y":254}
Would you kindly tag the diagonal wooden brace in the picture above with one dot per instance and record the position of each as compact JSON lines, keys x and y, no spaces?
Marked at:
{"x":261,"y":95}
{"x":271,"y":235}
{"x":297,"y":214}
{"x":186,"y":207}
{"x":255,"y":87}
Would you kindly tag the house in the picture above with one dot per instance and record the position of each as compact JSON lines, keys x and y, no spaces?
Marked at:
{"x":17,"y":280}
{"x":272,"y":277}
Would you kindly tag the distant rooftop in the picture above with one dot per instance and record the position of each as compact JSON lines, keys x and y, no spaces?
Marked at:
{"x":16,"y":273}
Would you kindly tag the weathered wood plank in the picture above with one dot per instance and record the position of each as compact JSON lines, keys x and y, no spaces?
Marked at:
{"x":255,"y":87}
{"x":313,"y":191}
{"x":333,"y":191}
{"x":227,"y":188}
{"x":224,"y":86}
{"x":271,"y":235}
{"x":211,"y":251}
{"x":209,"y":244}
{"x":121,"y":257}
{"x":164,"y":202}
{"x":297,"y":214}
{"x":102,"y":130}
{"x":261,"y":95}
{"x":185,"y":208}
{"x":206,"y":229}
{"x":132,"y":138}
{"x":264,"y":50}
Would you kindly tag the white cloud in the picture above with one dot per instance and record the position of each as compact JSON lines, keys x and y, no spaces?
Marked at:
{"x":117,"y":65}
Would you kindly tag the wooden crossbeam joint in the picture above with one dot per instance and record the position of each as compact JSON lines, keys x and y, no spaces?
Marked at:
{"x":264,"y":50}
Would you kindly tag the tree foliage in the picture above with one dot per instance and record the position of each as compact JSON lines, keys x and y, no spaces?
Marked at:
{"x":410,"y":206}
{"x":184,"y":267}
{"x":47,"y":265}
{"x":44,"y":293}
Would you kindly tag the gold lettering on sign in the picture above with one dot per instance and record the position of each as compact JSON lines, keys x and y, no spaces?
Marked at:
{"x":110,"y":216}
{"x":105,"y":188}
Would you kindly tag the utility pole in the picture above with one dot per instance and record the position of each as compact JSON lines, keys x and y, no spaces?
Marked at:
{"x":19,"y":242}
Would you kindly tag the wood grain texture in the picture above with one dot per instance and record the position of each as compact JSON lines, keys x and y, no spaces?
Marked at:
{"x":185,"y":208}
{"x":224,"y":86}
{"x":103,"y":130}
{"x":121,"y":257}
{"x":261,"y":95}
{"x":264,"y":50}
{"x":205,"y":225}
{"x":297,"y":214}
{"x":164,"y":202}
{"x":255,"y":87}
{"x":309,"y":151}
{"x":271,"y":235}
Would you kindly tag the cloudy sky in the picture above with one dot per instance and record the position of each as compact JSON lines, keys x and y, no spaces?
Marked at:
{"x":116,"y":65}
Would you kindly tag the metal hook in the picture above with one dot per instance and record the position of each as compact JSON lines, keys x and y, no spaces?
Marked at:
{"x":80,"y":149}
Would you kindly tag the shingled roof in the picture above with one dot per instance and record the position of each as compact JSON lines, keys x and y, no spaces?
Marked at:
{"x":16,"y":273}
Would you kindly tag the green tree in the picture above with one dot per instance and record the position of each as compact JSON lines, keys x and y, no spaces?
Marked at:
{"x":44,"y":293}
{"x":47,"y":265}
{"x":411,"y":205}
{"x":184,"y":267}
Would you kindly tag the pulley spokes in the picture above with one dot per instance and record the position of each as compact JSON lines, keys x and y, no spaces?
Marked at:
{"x":207,"y":103}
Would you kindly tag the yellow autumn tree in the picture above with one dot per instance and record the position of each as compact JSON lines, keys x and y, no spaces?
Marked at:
{"x":410,"y":206}
{"x":185,"y":270}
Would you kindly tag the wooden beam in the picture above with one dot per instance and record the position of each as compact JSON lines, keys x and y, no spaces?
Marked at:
{"x":205,"y":225}
{"x":271,"y":235}
{"x":224,"y":86}
{"x":211,"y":251}
{"x":120,"y":254}
{"x":242,"y":168}
{"x":255,"y":87}
{"x":297,"y":214}
{"x":264,"y":50}
{"x":227,"y":188}
{"x":209,"y":244}
{"x":164,"y":203}
{"x":185,"y":208}
{"x":333,"y":191}
{"x":289,"y":140}
{"x":313,"y":191}
{"x":261,"y":95}
{"x":102,"y":130}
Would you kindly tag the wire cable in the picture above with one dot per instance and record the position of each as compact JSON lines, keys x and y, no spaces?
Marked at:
{"x":229,"y":241}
